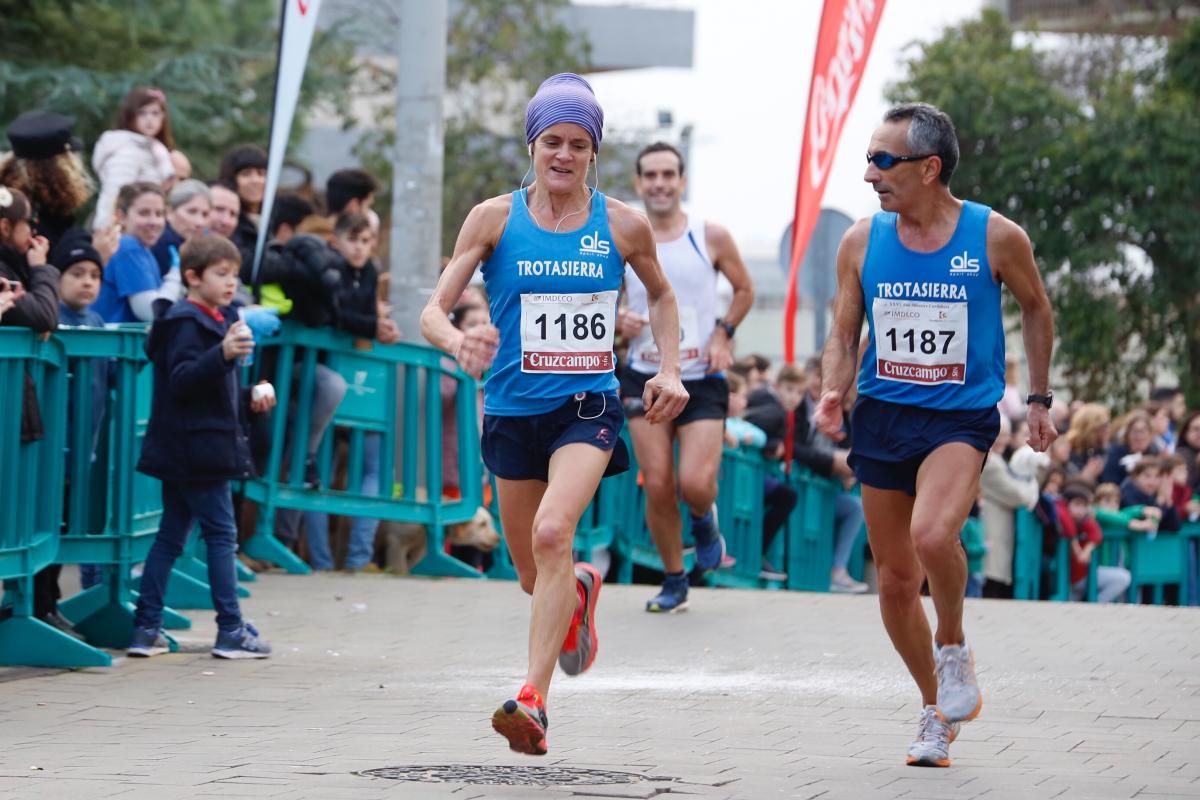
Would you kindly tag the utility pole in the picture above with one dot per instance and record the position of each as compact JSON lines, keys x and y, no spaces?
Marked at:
{"x":416,"y":234}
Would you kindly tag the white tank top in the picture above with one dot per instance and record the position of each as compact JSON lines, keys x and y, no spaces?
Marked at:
{"x":694,"y":279}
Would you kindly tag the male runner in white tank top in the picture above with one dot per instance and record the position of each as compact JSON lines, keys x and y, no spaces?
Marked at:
{"x":693,"y":255}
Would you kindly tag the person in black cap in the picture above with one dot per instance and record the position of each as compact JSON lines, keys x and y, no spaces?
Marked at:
{"x":46,"y":166}
{"x":245,"y":169}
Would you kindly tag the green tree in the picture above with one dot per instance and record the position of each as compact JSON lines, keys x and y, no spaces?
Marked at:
{"x":1096,"y":160}
{"x":215,"y":60}
{"x":496,"y":55}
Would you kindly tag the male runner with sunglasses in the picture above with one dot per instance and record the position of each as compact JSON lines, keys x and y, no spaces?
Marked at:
{"x":926,"y":273}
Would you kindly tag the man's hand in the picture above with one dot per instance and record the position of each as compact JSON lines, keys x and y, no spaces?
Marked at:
{"x":664,"y":398}
{"x":1041,"y":428}
{"x":630,"y":324}
{"x":720,"y":351}
{"x":39,"y":248}
{"x":477,"y":349}
{"x":828,"y":416}
{"x":386,"y":331}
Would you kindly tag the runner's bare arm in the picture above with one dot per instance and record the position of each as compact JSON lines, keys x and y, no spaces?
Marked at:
{"x":479,"y":234}
{"x":729,"y":262}
{"x":839,"y":361}
{"x":635,"y":241}
{"x":1011,"y":256}
{"x":664,"y":397}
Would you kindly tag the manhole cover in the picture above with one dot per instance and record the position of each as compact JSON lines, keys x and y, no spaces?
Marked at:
{"x":498,"y":774}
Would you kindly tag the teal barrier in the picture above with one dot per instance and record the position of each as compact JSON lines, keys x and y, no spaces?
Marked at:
{"x":1027,"y":556}
{"x":1154,"y":561}
{"x":810,"y":531}
{"x":740,"y":514}
{"x":113,"y":511}
{"x":31,"y":499}
{"x":389,"y":387}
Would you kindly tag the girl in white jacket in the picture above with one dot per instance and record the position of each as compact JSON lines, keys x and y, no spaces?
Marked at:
{"x":137,"y":149}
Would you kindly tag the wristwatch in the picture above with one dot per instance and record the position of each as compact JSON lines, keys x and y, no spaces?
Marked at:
{"x":729,"y":328}
{"x":1045,"y":399}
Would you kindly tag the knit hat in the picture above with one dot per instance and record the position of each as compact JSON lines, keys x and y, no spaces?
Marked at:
{"x":565,"y":97}
{"x":75,"y":246}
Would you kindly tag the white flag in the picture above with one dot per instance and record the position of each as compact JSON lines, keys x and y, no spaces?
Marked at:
{"x":295,"y":39}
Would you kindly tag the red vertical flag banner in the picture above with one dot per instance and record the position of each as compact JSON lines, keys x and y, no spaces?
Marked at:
{"x":843,"y":45}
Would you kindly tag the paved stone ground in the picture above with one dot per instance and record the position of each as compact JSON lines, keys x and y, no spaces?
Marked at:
{"x":750,"y":695}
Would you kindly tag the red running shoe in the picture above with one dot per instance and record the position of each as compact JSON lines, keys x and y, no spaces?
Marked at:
{"x":523,"y":722}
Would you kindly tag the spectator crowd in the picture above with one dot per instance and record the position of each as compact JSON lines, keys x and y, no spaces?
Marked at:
{"x":132,"y":238}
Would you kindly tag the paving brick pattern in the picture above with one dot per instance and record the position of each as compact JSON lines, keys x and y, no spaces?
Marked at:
{"x":750,"y":695}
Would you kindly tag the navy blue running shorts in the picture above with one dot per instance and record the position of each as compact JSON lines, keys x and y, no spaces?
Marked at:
{"x":889,"y":441}
{"x":519,"y":448}
{"x":708,"y":397}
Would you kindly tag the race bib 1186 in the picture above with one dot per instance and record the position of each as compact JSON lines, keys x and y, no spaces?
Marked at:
{"x":919,"y":341}
{"x":568,"y":333}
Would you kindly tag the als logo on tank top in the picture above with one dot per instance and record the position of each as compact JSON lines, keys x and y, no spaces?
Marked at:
{"x":964,"y":265}
{"x":590,"y":244}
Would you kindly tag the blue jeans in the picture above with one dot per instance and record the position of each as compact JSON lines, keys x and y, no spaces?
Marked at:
{"x":185,"y":504}
{"x":362,"y":529}
{"x":847,"y":521}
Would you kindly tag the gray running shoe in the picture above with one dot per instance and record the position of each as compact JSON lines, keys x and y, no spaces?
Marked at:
{"x":580,"y":646}
{"x":931,"y":748}
{"x":959,"y":698}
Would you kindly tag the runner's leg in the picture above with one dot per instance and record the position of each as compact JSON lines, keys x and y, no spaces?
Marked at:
{"x":888,"y":515}
{"x":519,"y":501}
{"x":947,"y":486}
{"x":700,"y":445}
{"x":654,"y":447}
{"x":575,"y":472}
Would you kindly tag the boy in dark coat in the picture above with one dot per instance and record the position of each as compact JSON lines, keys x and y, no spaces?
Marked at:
{"x":197,"y":442}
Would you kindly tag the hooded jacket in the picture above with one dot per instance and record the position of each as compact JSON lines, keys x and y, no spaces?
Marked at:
{"x":198,"y":429}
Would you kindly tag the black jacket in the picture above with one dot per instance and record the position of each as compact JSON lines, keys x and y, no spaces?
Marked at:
{"x":327,"y":292}
{"x":764,"y":410}
{"x":806,"y":451}
{"x":38,"y":309}
{"x":198,"y":427}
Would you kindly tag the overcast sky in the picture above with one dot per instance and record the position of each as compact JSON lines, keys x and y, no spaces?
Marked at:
{"x":746,"y":97}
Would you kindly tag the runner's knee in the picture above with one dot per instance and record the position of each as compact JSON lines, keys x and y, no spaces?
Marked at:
{"x":897,"y":586}
{"x":698,"y":490}
{"x":660,"y":487}
{"x":933,"y":537}
{"x":552,"y":536}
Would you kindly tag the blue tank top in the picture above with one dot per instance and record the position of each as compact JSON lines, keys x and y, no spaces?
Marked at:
{"x":554,"y":298}
{"x":936,"y":333}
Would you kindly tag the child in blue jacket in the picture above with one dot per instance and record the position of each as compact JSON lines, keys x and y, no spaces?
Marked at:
{"x":197,"y":442}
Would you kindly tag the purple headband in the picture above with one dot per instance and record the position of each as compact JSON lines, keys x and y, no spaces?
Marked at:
{"x":565,"y":97}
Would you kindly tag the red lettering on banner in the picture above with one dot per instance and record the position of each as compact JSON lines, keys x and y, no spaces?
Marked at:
{"x":920,"y":373}
{"x":537,"y":361}
{"x":303,"y":6}
{"x":843,"y":45}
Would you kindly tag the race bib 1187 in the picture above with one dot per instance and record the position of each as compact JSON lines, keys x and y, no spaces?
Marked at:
{"x":568,"y":333}
{"x":919,"y":341}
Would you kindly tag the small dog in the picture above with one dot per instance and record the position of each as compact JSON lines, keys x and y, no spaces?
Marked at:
{"x":405,"y":543}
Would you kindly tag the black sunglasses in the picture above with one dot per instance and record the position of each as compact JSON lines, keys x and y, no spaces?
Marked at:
{"x":885,"y":160}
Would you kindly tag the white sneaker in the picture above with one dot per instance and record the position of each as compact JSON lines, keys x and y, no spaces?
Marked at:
{"x":842,"y":583}
{"x":959,"y":698}
{"x":931,"y":748}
